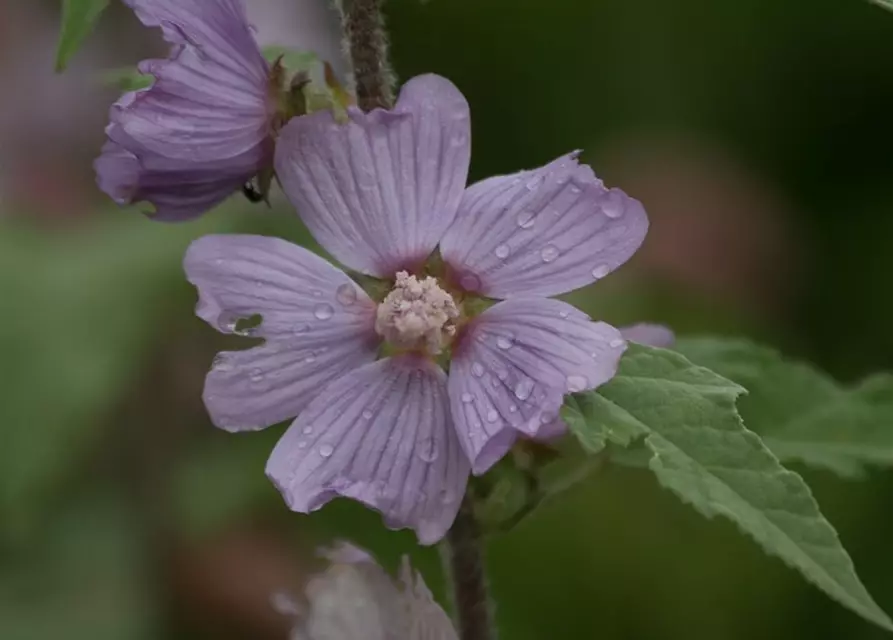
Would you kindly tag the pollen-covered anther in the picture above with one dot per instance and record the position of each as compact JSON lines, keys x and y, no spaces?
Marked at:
{"x":417,"y":314}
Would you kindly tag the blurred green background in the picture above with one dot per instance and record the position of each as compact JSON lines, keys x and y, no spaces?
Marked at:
{"x":759,"y":136}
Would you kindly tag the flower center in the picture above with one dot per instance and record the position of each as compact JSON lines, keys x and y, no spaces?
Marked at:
{"x":417,"y":314}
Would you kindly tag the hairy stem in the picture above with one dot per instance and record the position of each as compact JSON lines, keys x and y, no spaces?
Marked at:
{"x":367,"y":45}
{"x":465,"y":560}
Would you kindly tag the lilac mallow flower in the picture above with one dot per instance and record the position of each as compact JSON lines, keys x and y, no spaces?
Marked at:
{"x":380,"y":192}
{"x":204,"y":128}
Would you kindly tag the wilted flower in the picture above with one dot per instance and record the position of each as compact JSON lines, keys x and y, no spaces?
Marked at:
{"x":379,"y":193}
{"x":355,"y":599}
{"x":204,"y":128}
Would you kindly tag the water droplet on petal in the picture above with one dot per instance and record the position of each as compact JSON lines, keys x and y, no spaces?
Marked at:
{"x":300,"y":328}
{"x":534,"y":182}
{"x":601,"y":271}
{"x":526,"y":219}
{"x":576,"y":383}
{"x":326,"y":450}
{"x":547,"y":417}
{"x":549,"y":253}
{"x":513,"y":408}
{"x":492,"y":416}
{"x":616,"y":343}
{"x":310,"y":359}
{"x":467,"y":398}
{"x":323,"y":311}
{"x":614,"y":206}
{"x":502,"y":251}
{"x":575,"y":189}
{"x":504,"y":342}
{"x":317,"y":293}
{"x":302,"y":444}
{"x":428,"y":450}
{"x":346,"y":294}
{"x":307,"y":430}
{"x":470,"y":282}
{"x":523,"y":389}
{"x":257,"y":375}
{"x":563,"y":314}
{"x":458,"y":140}
{"x":367,"y":414}
{"x":477,"y":369}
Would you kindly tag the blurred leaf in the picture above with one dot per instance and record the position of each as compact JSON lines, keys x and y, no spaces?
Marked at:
{"x":801,"y":413}
{"x":78,"y":18}
{"x":221,"y":482}
{"x":685,"y":415}
{"x":505,"y":498}
{"x":88,"y":303}
{"x":886,"y":4}
{"x":126,"y":79}
{"x":82,"y":579}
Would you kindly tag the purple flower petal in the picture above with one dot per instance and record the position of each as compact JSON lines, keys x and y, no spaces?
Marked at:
{"x":652,"y":335}
{"x":542,"y":232}
{"x":203,"y":128}
{"x":513,"y":366}
{"x":318,"y":325}
{"x":379,"y":191}
{"x":381,"y":435}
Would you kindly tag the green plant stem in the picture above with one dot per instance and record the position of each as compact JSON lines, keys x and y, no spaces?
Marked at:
{"x":465,"y":562}
{"x":367,"y":45}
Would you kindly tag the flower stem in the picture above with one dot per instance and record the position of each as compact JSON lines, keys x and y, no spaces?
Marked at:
{"x":367,"y":44}
{"x":465,"y":560}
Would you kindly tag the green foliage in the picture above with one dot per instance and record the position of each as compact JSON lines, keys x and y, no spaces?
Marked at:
{"x":222,"y":481}
{"x":801,"y":413}
{"x":82,"y":578}
{"x":78,"y":19}
{"x":88,"y":306}
{"x":126,"y":79}
{"x":886,"y":4}
{"x":685,"y":416}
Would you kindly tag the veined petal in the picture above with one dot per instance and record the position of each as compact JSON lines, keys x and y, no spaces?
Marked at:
{"x":381,"y":435}
{"x":542,"y":232}
{"x":317,"y":323}
{"x":513,"y":365}
{"x":379,"y":191}
{"x":203,"y":128}
{"x":652,"y":335}
{"x":218,"y":29}
{"x":176,"y":193}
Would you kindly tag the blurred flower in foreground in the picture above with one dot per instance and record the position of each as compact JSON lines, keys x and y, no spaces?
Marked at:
{"x":204,"y":128}
{"x":379,"y":193}
{"x":354,"y":599}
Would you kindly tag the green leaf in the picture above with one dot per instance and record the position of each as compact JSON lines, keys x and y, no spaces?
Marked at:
{"x":685,"y":416}
{"x":126,"y":79}
{"x":886,"y":4}
{"x":801,"y":413}
{"x":78,"y":18}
